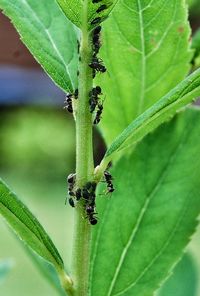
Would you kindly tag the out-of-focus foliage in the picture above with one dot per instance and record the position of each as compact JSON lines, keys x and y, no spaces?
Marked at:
{"x":51,"y":38}
{"x":5,"y":267}
{"x":183,"y":281}
{"x":37,"y":139}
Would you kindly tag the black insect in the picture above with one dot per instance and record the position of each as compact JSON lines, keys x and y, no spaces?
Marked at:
{"x":78,"y":46}
{"x":76,"y":94}
{"x":97,"y":65}
{"x":71,"y":202}
{"x":98,"y":114}
{"x":96,"y":40}
{"x":93,"y":97}
{"x":90,"y":211}
{"x":109,"y":179}
{"x":101,"y":8}
{"x":78,"y":194}
{"x":68,"y":103}
{"x":85,"y":194}
{"x":71,"y":182}
{"x":96,"y":21}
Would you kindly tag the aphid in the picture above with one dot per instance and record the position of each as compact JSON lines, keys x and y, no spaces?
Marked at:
{"x":78,"y":46}
{"x":93,"y":95}
{"x":96,"y":40}
{"x":76,"y":94}
{"x":97,"y":65}
{"x":97,"y":30}
{"x":98,"y":114}
{"x":71,"y":202}
{"x":68,"y":103}
{"x":78,"y":193}
{"x":71,"y":178}
{"x":93,"y":220}
{"x":71,"y":181}
{"x":90,"y":211}
{"x":85,"y":194}
{"x":101,"y":8}
{"x":96,"y":21}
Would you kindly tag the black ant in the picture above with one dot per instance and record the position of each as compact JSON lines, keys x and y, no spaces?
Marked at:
{"x":97,"y":65}
{"x":90,"y":211}
{"x":96,"y":21}
{"x":101,"y":8}
{"x":71,"y":202}
{"x":98,"y":114}
{"x":96,"y":1}
{"x":68,"y":100}
{"x":71,"y":181}
{"x":108,"y":178}
{"x":68,"y":103}
{"x":96,"y":40}
{"x":93,"y":95}
{"x":78,"y":194}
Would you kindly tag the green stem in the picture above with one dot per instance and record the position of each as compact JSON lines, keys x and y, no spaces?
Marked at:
{"x":84,"y":163}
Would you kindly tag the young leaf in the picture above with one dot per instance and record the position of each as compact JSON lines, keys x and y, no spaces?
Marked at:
{"x":161,"y":111}
{"x":49,"y":36}
{"x":146,"y":52}
{"x":27,"y":227}
{"x":145,"y":225}
{"x":5,"y":267}
{"x":183,"y":281}
{"x":74,"y":9}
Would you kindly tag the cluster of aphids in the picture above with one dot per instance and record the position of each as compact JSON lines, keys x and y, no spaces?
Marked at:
{"x":96,"y":65}
{"x":68,"y":100}
{"x":87,"y":194}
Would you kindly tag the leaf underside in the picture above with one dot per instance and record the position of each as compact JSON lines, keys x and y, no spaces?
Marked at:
{"x":73,"y":10}
{"x":145,"y":225}
{"x":49,"y":36}
{"x":146,"y":52}
{"x":27,"y":227}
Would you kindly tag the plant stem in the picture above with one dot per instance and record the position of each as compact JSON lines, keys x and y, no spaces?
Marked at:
{"x":84,"y":162}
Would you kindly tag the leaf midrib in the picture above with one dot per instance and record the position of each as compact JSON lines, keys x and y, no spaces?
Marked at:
{"x":143,"y":212}
{"x":46,"y":30}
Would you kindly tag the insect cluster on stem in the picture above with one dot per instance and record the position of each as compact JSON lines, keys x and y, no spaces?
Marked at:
{"x":87,"y":194}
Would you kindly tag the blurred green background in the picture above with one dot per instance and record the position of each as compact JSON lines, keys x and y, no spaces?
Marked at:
{"x":37,"y":152}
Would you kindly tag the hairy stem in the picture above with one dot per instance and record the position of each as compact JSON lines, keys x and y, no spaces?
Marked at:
{"x":84,"y":162}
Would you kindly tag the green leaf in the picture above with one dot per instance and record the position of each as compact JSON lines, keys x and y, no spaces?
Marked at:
{"x":164,"y":109}
{"x":145,"y":225}
{"x":49,"y":36}
{"x":183,"y":281}
{"x":5,"y":267}
{"x":27,"y":227}
{"x":146,"y":52}
{"x":73,"y":9}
